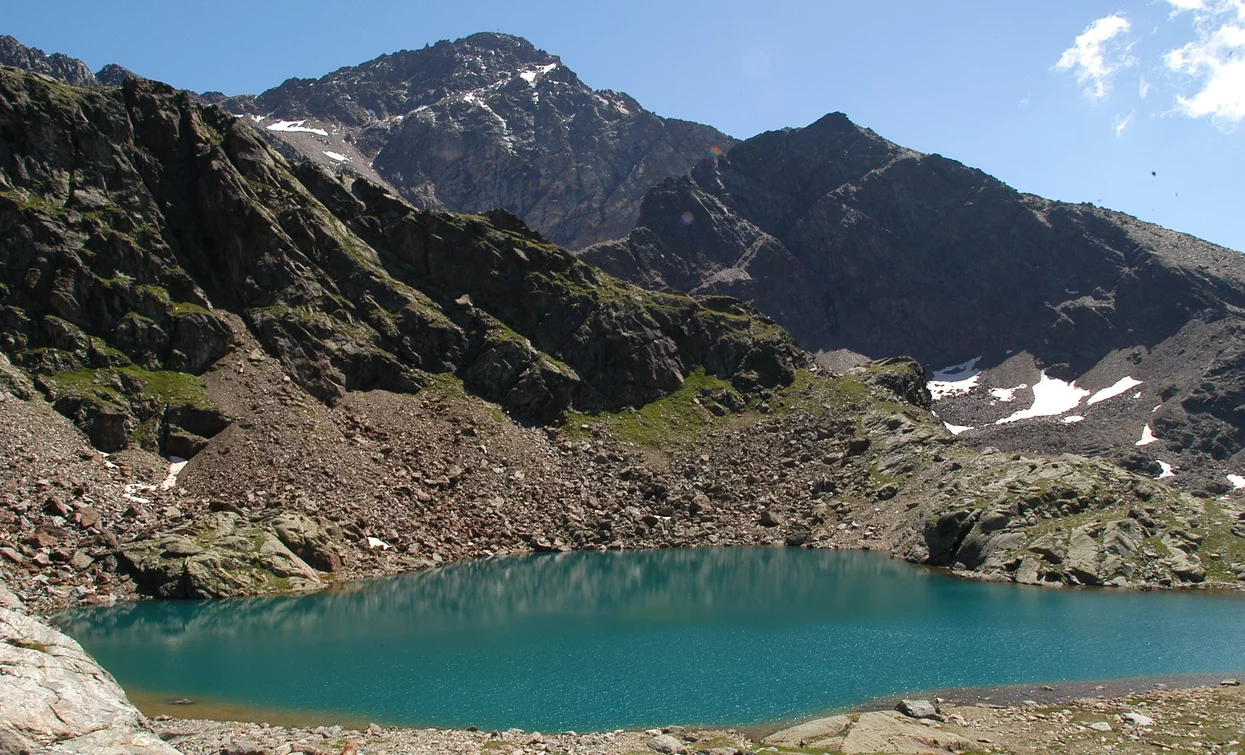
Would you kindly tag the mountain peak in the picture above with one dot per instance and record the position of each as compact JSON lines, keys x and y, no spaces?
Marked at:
{"x":491,"y":40}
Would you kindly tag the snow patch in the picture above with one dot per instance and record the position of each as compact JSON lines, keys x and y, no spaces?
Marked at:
{"x":1007,"y":395}
{"x":1147,"y":437}
{"x":1237,"y":481}
{"x":296,"y":126}
{"x":129,"y":491}
{"x":956,"y":429}
{"x":1137,"y":394}
{"x":955,"y":380}
{"x":336,"y":156}
{"x":1167,"y":470}
{"x":1051,"y":397}
{"x":1073,"y":418}
{"x":176,"y":465}
{"x":375,"y":542}
{"x":531,"y":76}
{"x":1121,"y":385}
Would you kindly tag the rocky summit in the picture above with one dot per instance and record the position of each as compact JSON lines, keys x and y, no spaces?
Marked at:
{"x":486,"y":121}
{"x":1048,"y":325}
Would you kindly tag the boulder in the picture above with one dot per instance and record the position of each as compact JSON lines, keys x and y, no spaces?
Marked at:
{"x":667,"y":744}
{"x":1028,"y":572}
{"x":919,"y":709}
{"x":307,"y":540}
{"x":770,"y":519}
{"x":889,"y":732}
{"x":944,"y":535}
{"x":1185,"y":567}
{"x":809,"y":731}
{"x":1084,"y":555}
{"x":221,"y":557}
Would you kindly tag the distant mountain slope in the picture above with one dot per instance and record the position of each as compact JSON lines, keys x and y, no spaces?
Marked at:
{"x":852,"y":242}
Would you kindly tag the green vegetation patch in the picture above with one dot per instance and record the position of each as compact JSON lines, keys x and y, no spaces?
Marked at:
{"x":170,"y":388}
{"x":1217,"y":537}
{"x":677,"y":418}
{"x":819,"y":395}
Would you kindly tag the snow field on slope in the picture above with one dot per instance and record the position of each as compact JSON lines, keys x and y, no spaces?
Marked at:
{"x":1121,"y":385}
{"x":296,"y":127}
{"x":1051,"y":397}
{"x":956,"y":380}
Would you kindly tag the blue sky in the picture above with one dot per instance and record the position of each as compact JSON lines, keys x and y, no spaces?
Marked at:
{"x":1138,"y":106}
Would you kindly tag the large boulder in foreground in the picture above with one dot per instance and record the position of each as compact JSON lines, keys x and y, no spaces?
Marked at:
{"x":55,"y":698}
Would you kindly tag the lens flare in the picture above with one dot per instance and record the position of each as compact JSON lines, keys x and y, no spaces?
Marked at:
{"x":686,"y":219}
{"x":716,"y":151}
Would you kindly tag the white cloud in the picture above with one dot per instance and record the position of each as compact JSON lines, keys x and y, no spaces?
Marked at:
{"x":1123,"y":122}
{"x":1201,"y":7}
{"x":1143,"y":88}
{"x":1180,"y":6}
{"x":1098,"y":54}
{"x":1214,"y":62}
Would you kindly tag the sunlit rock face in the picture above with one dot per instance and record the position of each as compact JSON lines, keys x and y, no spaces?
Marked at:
{"x":55,"y":695}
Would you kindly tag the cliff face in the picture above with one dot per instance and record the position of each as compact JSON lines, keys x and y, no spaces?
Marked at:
{"x":852,"y":242}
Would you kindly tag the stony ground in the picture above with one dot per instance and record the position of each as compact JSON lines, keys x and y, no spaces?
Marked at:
{"x":1202,"y":719}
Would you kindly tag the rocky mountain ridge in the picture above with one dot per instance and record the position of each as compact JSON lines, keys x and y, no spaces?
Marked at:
{"x":857,"y":245}
{"x":56,"y":65}
{"x":924,"y":254}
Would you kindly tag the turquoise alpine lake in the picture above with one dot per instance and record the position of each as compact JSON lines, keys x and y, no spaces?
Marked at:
{"x":589,"y":641}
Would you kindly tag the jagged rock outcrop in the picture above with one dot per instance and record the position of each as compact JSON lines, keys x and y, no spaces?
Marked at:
{"x":55,"y":698}
{"x":70,"y":70}
{"x":489,"y":121}
{"x":113,"y":75}
{"x":852,"y":242}
{"x":220,"y":557}
{"x":130,"y":216}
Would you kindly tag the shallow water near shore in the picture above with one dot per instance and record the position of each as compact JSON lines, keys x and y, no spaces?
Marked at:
{"x":586,"y":641}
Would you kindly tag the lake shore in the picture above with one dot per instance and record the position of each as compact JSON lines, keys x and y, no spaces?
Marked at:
{"x":1123,"y":715}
